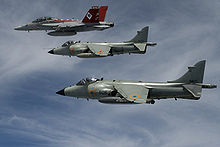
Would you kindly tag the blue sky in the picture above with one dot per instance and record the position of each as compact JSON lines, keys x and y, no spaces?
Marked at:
{"x":31,"y":114}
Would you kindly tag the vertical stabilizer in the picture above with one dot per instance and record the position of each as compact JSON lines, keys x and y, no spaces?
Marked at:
{"x":141,"y":36}
{"x":102,"y":13}
{"x":193,"y":75}
{"x":92,"y":15}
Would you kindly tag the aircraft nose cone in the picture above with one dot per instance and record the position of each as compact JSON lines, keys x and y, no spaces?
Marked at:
{"x":61,"y":92}
{"x":17,"y":28}
{"x":51,"y":51}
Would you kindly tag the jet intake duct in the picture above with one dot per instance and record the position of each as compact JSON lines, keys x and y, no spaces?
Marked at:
{"x":114,"y":100}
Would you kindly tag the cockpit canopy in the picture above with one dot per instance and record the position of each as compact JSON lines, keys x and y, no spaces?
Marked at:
{"x":42,"y":19}
{"x":87,"y":80}
{"x":67,"y":43}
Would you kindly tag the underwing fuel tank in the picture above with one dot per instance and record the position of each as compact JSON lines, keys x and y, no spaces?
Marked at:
{"x":61,"y":33}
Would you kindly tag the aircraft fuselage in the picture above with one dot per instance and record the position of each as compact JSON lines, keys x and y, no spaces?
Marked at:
{"x":61,"y":28}
{"x":82,"y":50}
{"x":106,"y":89}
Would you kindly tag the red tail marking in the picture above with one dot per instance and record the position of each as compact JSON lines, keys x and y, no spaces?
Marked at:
{"x":102,"y":12}
{"x":92,"y":15}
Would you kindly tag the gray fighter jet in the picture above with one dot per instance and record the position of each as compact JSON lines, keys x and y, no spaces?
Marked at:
{"x":93,"y":20}
{"x":189,"y":86}
{"x":137,"y":45}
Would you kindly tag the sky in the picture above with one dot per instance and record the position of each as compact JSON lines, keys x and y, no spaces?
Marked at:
{"x":31,"y":114}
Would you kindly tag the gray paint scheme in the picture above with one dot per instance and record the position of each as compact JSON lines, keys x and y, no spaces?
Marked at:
{"x":189,"y":86}
{"x":137,"y":45}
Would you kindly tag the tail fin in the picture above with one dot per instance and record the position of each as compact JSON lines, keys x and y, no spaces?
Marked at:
{"x":92,"y":15}
{"x":95,"y":14}
{"x":102,"y":12}
{"x":193,"y":75}
{"x":141,"y":36}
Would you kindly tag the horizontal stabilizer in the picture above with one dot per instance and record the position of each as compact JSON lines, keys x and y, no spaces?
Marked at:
{"x":195,"y":90}
{"x":141,"y":46}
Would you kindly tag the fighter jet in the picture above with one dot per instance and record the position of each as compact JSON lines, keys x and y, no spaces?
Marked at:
{"x":189,"y":86}
{"x":137,"y":45}
{"x":93,"y":20}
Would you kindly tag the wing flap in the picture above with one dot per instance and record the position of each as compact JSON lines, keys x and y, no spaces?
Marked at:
{"x":100,"y":50}
{"x":133,"y":93}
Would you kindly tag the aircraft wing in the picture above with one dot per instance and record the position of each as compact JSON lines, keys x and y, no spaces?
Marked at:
{"x":133,"y":93}
{"x":100,"y":50}
{"x":101,"y":26}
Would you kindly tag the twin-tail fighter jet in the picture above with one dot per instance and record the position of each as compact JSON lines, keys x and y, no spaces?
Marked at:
{"x":137,"y":45}
{"x":93,"y":20}
{"x":189,"y":86}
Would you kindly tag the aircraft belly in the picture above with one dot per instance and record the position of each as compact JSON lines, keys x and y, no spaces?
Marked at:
{"x":171,"y":92}
{"x":123,"y":49}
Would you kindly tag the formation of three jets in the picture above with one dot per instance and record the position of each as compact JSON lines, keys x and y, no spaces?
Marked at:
{"x":189,"y":86}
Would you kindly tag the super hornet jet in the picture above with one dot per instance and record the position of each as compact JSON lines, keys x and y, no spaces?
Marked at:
{"x":93,"y":20}
{"x":189,"y":86}
{"x":137,"y":45}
